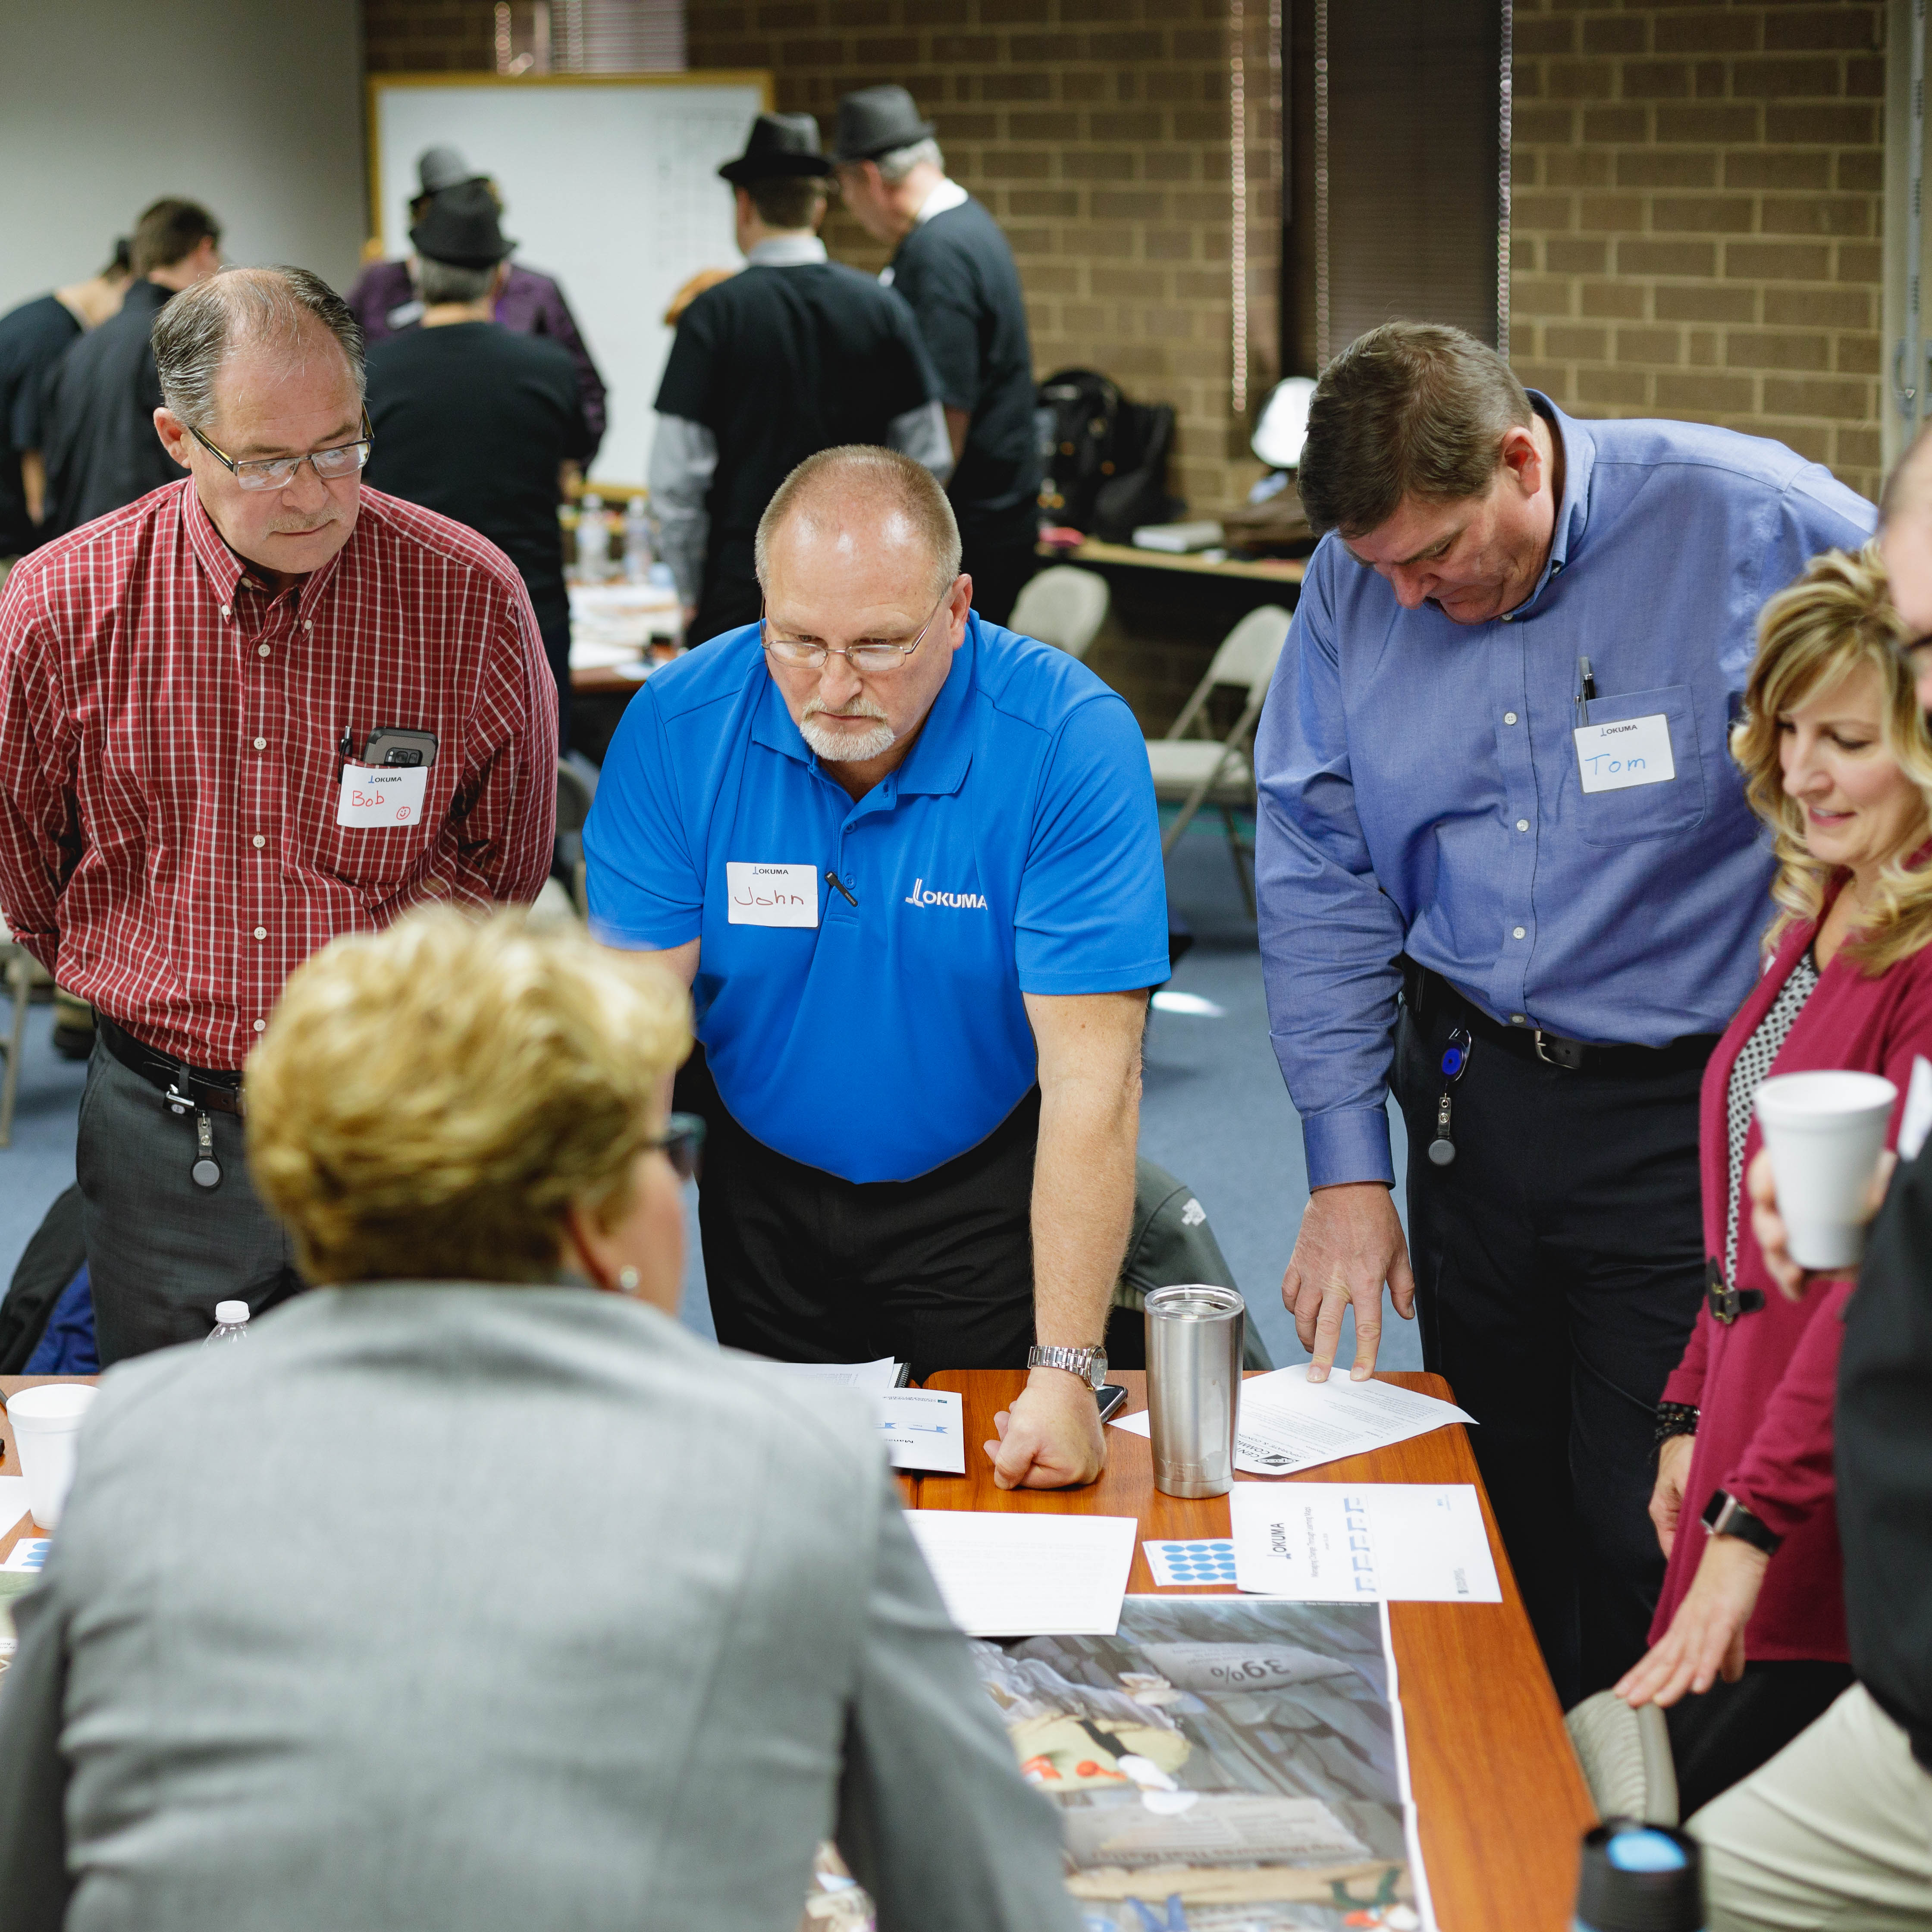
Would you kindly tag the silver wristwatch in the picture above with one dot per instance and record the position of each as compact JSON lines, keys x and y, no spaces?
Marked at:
{"x":1089,"y":1364}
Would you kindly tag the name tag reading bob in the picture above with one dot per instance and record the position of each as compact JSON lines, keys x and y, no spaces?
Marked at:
{"x":1632,"y":751}
{"x":381,"y":795}
{"x":771,"y":895}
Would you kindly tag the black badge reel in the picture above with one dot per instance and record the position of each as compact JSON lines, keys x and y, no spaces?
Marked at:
{"x":1455,"y":1060}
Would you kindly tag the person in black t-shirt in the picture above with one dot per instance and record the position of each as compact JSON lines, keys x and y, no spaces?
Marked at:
{"x":792,"y":355}
{"x":476,"y":421}
{"x":33,"y":337}
{"x":954,"y":268}
{"x":101,"y":448}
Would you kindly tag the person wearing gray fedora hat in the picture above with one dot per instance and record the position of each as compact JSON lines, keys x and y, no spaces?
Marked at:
{"x":476,"y":420}
{"x":386,"y":301}
{"x":953,"y":267}
{"x":792,"y":355}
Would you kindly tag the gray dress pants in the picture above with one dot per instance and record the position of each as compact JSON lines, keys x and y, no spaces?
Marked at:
{"x":162,"y":1251}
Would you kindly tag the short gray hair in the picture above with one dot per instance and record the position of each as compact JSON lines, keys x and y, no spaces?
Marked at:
{"x":884,"y":477}
{"x":444,"y":282}
{"x":897,"y":162}
{"x":197,"y":331}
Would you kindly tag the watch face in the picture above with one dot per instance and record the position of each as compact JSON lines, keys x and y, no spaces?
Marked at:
{"x":1097,"y":1371}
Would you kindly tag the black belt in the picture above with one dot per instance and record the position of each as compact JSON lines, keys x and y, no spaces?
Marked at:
{"x":1428,"y":993}
{"x":186,"y":1089}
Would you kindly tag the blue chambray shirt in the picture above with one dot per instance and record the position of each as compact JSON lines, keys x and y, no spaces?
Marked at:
{"x":1419,"y":790}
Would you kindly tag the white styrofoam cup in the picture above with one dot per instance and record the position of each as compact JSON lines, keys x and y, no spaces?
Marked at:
{"x":1825,"y":1132}
{"x":47,"y":1420}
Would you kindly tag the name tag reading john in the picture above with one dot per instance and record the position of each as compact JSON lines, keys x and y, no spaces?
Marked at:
{"x":1632,"y":751}
{"x":771,"y":895}
{"x":381,"y":795}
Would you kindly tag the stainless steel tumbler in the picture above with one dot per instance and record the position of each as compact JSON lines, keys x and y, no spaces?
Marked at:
{"x":1195,"y":1332}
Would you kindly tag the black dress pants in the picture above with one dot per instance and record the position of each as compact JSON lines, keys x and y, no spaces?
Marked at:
{"x":804,"y":1267}
{"x":1559,"y":1266}
{"x":161,"y":1251}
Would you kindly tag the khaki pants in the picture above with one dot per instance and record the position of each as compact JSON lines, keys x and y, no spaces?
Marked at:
{"x":1835,"y":1834}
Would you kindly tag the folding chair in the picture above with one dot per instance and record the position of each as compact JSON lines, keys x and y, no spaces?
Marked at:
{"x":26,"y":980}
{"x":1196,"y":771}
{"x":1062,"y":606}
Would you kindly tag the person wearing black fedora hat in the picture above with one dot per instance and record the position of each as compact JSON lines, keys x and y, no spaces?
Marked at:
{"x":476,"y":421}
{"x":386,"y":301}
{"x":954,"y":268}
{"x":793,"y":354}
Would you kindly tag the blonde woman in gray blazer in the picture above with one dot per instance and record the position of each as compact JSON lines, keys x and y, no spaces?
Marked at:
{"x":471,"y":1592}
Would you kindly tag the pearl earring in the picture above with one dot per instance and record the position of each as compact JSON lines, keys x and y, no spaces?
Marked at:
{"x":627,"y":1280}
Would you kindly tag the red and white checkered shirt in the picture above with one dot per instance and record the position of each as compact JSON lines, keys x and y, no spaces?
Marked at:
{"x":170,"y":767}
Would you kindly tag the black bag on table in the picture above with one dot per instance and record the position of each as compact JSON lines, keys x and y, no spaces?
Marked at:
{"x":1104,"y":458}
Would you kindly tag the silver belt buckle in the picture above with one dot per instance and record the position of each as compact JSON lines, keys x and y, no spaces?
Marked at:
{"x":1556,"y":1059}
{"x":175,"y":1099}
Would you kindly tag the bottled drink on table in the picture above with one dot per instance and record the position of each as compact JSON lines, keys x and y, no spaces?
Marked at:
{"x":231,"y":1322}
{"x":640,"y":552}
{"x":593,"y":541}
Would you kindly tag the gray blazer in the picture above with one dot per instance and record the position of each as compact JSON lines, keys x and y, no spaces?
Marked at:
{"x":481,"y":1608}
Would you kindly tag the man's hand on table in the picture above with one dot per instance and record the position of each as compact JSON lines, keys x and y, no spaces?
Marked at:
{"x":1051,"y":1438}
{"x":1350,"y":1242}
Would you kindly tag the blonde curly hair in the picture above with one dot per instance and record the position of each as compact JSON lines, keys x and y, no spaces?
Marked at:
{"x":428,"y":1102}
{"x":1835,"y":618}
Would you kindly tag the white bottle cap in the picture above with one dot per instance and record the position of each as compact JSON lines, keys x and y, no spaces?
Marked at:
{"x":231,"y":1311}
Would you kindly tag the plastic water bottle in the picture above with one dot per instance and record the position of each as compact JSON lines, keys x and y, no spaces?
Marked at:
{"x":593,"y":541}
{"x":231,"y":1323}
{"x":640,"y":554}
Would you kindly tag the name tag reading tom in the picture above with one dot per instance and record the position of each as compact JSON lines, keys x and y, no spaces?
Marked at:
{"x":380,"y":796}
{"x":771,"y":895}
{"x":1632,"y":751}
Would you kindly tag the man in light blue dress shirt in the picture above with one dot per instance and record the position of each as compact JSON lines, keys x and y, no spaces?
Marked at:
{"x":1495,"y":785}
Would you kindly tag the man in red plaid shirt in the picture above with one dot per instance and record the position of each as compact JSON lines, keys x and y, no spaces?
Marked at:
{"x":256,"y":709}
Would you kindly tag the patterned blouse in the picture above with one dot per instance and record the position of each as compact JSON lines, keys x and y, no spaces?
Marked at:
{"x":1747,"y":1073}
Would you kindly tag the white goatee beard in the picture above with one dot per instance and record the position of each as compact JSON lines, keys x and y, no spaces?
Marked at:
{"x":847,"y":748}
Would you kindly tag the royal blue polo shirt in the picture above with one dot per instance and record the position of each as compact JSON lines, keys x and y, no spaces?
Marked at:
{"x":1016,"y":850}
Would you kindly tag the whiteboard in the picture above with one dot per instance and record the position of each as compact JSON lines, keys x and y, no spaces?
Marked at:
{"x":609,"y":183}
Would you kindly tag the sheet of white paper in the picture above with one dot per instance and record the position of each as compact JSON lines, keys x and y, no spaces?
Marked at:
{"x":1004,"y":1575}
{"x":924,"y":1429}
{"x":29,"y":1553}
{"x":1333,"y":1542}
{"x":878,"y":1377}
{"x":1289,"y":1422}
{"x":13,"y":1501}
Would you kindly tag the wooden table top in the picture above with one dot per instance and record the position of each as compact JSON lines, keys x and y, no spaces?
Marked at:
{"x":1261,"y":569}
{"x":1500,"y":1802}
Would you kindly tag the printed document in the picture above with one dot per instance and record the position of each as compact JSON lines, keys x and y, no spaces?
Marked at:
{"x":1289,"y":1422}
{"x":1338,"y":1543}
{"x":924,"y":1429}
{"x":1002,"y":1574}
{"x":13,"y":1501}
{"x":875,"y":1377}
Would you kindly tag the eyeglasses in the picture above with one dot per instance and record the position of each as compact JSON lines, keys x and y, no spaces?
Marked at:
{"x":870,"y":656}
{"x":681,"y":1143}
{"x":277,"y":473}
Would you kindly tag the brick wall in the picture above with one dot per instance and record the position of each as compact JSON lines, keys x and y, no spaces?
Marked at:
{"x":1696,"y":216}
{"x":1096,"y":130}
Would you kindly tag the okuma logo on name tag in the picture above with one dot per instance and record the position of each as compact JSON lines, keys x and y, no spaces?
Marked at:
{"x":382,"y":795}
{"x":1630,"y":752}
{"x":760,"y":894}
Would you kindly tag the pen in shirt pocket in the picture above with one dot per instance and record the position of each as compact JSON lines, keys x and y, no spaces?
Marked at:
{"x":1586,"y":690}
{"x":345,"y":750}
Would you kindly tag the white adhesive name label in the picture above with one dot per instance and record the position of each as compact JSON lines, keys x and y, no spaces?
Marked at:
{"x":1632,"y":751}
{"x":379,"y":795}
{"x":771,"y":895}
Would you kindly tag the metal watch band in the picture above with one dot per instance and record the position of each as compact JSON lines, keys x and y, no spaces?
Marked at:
{"x":1076,"y":1361}
{"x":1725,"y":1516}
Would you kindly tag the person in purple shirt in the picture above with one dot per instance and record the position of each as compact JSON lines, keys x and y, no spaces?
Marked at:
{"x":385,"y":300}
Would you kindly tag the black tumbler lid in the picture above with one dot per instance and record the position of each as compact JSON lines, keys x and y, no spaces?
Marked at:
{"x":1640,"y":1878}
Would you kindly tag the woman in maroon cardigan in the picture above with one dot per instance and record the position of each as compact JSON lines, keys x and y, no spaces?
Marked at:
{"x":1751,"y":1622}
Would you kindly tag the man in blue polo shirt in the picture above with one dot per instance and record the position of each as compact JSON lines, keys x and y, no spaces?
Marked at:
{"x":910,"y":864}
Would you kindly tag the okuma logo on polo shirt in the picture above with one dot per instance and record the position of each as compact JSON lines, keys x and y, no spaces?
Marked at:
{"x":920,"y":896}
